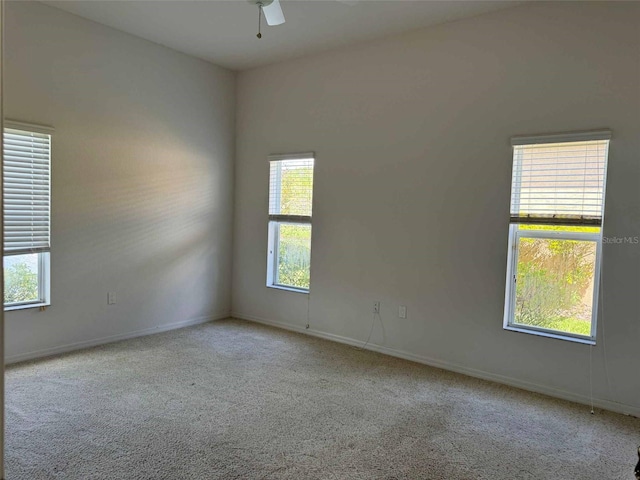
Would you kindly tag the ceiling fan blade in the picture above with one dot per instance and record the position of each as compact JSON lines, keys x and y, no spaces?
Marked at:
{"x":273,"y":13}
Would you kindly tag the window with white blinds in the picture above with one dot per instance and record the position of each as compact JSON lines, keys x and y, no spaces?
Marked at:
{"x":555,"y":235}
{"x":291,"y":187}
{"x":27,"y":190}
{"x":559,"y":179}
{"x":290,"y":205}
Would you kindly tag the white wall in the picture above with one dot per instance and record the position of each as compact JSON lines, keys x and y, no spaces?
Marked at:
{"x":142,"y":178}
{"x":412,"y":185}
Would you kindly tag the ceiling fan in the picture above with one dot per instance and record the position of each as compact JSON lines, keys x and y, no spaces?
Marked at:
{"x":271,"y":10}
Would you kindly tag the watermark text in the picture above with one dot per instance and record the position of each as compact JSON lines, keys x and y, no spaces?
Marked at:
{"x":621,"y":240}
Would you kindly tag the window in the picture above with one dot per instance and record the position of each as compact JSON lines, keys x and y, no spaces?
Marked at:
{"x":290,"y":200}
{"x":27,"y":193}
{"x":555,"y":234}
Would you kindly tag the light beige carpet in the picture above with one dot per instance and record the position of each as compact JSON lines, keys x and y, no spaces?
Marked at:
{"x":235,"y":400}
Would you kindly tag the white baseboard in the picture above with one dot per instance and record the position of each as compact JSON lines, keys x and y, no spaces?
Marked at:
{"x":70,"y":347}
{"x":513,"y":382}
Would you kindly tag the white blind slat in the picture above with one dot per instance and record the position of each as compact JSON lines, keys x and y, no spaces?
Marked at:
{"x":559,"y":182}
{"x":26,"y":191}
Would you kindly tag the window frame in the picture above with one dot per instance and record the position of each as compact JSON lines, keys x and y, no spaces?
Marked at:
{"x":515,"y":234}
{"x":274,"y":223}
{"x":44,"y":285}
{"x":44,"y":256}
{"x":273,"y":260}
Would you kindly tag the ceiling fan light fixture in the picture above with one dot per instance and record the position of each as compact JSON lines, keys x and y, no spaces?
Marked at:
{"x":271,"y":9}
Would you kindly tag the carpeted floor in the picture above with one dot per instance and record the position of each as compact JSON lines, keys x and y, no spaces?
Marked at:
{"x":236,"y":400}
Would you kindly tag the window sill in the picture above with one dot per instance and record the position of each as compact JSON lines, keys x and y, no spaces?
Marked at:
{"x":289,"y":289}
{"x":548,"y":334}
{"x":25,"y":306}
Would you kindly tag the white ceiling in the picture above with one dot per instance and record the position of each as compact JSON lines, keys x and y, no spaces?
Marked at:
{"x":224,"y":31}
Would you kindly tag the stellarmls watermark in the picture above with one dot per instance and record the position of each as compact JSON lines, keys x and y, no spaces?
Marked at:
{"x":621,"y":240}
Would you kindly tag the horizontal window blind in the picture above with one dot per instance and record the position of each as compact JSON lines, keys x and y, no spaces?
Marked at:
{"x":559,"y":183}
{"x":27,"y":192}
{"x":291,"y":188}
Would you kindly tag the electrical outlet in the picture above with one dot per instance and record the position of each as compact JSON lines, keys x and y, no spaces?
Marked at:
{"x":376,"y":307}
{"x":111,"y":298}
{"x":402,"y":311}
